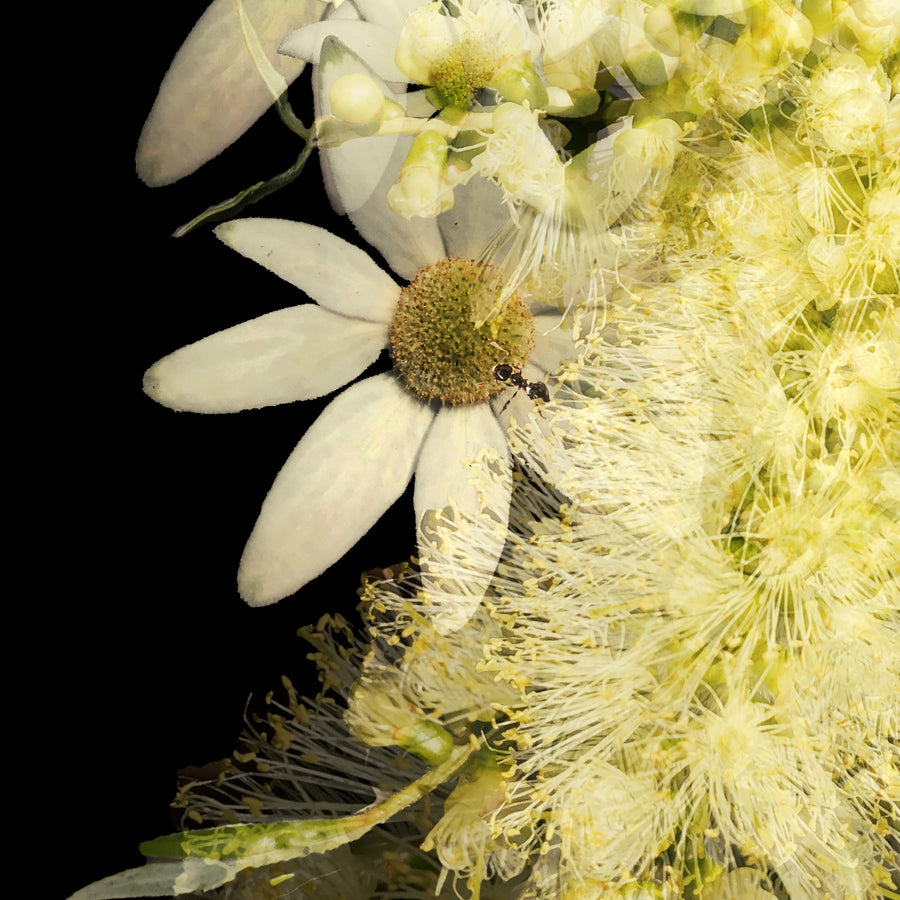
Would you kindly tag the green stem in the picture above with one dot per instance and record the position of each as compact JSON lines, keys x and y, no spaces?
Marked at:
{"x":237,"y":847}
{"x":229,"y":208}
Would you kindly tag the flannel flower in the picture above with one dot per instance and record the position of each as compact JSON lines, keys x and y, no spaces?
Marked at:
{"x":325,"y":497}
{"x":427,"y":417}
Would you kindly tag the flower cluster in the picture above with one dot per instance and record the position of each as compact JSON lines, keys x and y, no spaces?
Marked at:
{"x":650,"y":644}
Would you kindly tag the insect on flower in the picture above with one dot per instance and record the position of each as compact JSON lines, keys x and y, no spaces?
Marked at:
{"x":512,"y":377}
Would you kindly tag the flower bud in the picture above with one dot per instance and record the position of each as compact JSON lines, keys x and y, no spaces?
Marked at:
{"x":356,"y":99}
{"x":520,"y":83}
{"x":653,"y":142}
{"x":423,"y":188}
{"x":661,"y":30}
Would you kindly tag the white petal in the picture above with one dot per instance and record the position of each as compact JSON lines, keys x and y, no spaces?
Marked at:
{"x":477,"y":215}
{"x":427,"y":38}
{"x":358,"y":175}
{"x":459,"y":433}
{"x":345,"y":11}
{"x":389,"y":13}
{"x":620,"y":179}
{"x":507,"y":25}
{"x":552,"y":341}
{"x":293,"y":354}
{"x":407,"y":244}
{"x":354,"y":462}
{"x":376,"y":45}
{"x":354,"y":169}
{"x":459,"y":547}
{"x":213,"y":92}
{"x":334,"y":273}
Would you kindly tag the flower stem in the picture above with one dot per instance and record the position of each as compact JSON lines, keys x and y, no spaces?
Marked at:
{"x":228,"y":208}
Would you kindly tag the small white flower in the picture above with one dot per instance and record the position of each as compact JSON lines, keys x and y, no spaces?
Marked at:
{"x":519,"y":157}
{"x":475,"y":46}
{"x":848,"y":104}
{"x":480,"y":44}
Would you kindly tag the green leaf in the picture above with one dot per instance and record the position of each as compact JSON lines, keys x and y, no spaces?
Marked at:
{"x":156,"y":879}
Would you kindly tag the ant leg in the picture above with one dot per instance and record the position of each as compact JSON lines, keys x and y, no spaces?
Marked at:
{"x":516,"y":391}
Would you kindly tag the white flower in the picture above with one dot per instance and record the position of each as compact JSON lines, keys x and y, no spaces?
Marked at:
{"x":520,"y":158}
{"x":404,"y":41}
{"x":463,"y":47}
{"x":848,"y":104}
{"x":361,"y":453}
{"x":372,"y":35}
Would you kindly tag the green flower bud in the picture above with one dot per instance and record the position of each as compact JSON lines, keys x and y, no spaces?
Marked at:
{"x":423,"y":188}
{"x":521,"y":83}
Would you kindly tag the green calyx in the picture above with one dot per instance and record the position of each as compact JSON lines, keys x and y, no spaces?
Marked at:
{"x":438,"y":353}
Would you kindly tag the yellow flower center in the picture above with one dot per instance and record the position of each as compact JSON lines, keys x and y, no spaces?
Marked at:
{"x":460,"y":75}
{"x":437,"y":351}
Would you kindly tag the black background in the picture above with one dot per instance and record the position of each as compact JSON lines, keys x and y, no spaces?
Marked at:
{"x":147,"y":509}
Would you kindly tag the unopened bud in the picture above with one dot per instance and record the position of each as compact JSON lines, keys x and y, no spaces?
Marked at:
{"x":356,"y":99}
{"x":520,"y":83}
{"x":423,"y":188}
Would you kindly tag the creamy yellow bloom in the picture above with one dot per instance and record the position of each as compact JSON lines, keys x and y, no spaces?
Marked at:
{"x":519,"y":157}
{"x":478,"y":46}
{"x":848,"y":104}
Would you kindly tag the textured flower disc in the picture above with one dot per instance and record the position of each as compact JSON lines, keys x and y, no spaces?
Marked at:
{"x":460,"y":75}
{"x":438,"y":352}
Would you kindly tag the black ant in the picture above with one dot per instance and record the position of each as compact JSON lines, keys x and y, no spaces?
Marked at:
{"x":512,"y":377}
